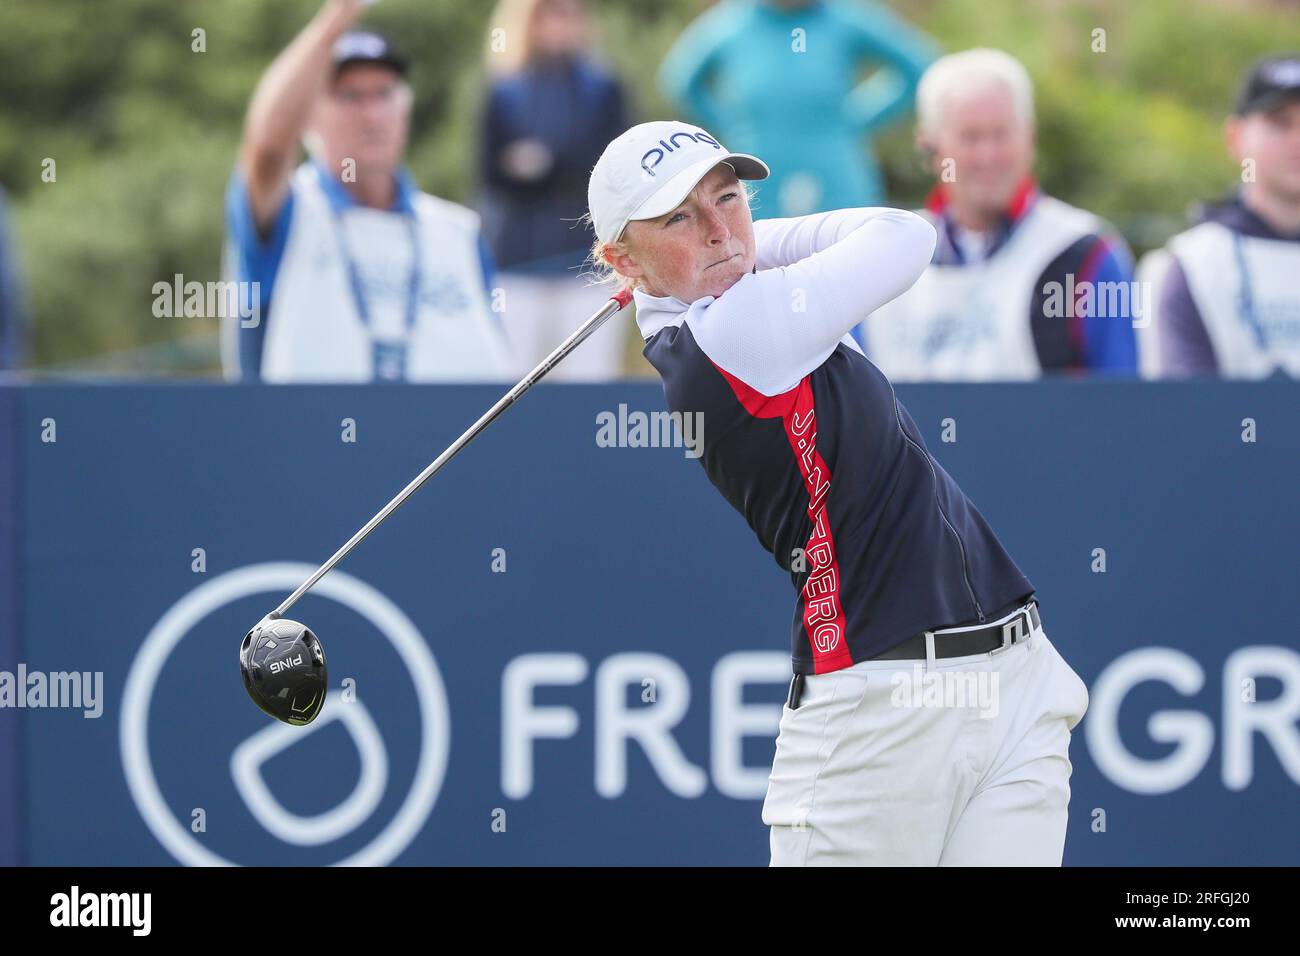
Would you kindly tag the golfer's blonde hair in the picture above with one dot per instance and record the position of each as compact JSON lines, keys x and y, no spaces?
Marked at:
{"x":972,"y":71}
{"x":598,"y":271}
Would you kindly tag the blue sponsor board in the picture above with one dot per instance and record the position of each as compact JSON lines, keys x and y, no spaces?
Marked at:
{"x":560,"y":652}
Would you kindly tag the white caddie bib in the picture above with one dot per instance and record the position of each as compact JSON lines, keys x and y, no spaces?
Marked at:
{"x":1245,"y":290}
{"x":315,"y":331}
{"x":971,"y":322}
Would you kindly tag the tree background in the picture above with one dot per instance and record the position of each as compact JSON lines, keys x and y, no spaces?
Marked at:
{"x":144,"y":130}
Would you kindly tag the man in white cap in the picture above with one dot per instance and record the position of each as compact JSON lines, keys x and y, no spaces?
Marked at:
{"x":895,"y":571}
{"x":359,"y":276}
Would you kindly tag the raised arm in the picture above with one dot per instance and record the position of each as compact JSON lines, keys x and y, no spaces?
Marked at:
{"x":281,"y":107}
{"x":783,"y":242}
{"x":774,"y":327}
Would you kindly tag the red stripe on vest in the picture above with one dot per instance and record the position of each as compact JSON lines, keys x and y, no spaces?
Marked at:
{"x":823,"y":615}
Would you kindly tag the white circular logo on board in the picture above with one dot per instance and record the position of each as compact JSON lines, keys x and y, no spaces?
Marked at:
{"x":435,"y":733}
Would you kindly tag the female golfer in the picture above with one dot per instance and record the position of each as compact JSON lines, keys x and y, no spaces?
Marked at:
{"x":929,"y":717}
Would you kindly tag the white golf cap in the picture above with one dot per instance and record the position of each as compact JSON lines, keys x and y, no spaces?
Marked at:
{"x":651,"y":168}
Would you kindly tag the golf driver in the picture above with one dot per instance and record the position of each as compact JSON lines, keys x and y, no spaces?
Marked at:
{"x":281,"y":661}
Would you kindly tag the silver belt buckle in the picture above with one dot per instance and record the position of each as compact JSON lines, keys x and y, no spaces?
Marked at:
{"x":1014,"y":626}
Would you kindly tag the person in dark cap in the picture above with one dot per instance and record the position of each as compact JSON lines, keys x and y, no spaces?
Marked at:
{"x":1228,"y":303}
{"x":353,"y":273}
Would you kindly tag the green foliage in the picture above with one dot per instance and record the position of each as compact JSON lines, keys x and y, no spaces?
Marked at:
{"x":144,"y":130}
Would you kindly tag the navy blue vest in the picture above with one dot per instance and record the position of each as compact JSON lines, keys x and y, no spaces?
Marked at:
{"x":834,"y":479}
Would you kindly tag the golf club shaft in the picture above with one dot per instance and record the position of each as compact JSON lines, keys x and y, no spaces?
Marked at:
{"x":615,"y":304}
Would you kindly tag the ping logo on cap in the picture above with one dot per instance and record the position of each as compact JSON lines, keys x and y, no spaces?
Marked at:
{"x":670,"y":145}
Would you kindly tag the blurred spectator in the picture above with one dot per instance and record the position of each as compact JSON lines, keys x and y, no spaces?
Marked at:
{"x":781,"y":79}
{"x":1228,"y":302}
{"x":550,"y":110}
{"x":1021,"y":282}
{"x":13,"y":323}
{"x":362,"y":276}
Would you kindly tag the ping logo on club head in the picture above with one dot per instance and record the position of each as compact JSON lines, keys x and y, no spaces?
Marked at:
{"x":278,"y":666}
{"x":671,"y":145}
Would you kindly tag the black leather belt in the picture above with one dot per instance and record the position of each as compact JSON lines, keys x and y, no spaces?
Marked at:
{"x":963,"y":642}
{"x":968,"y":641}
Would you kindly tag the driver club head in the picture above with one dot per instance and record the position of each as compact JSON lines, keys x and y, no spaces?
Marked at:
{"x":283,"y":666}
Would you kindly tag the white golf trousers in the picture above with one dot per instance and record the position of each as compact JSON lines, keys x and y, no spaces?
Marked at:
{"x":958,"y":762}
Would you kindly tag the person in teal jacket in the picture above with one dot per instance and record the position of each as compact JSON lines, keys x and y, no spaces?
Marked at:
{"x":782,"y":79}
